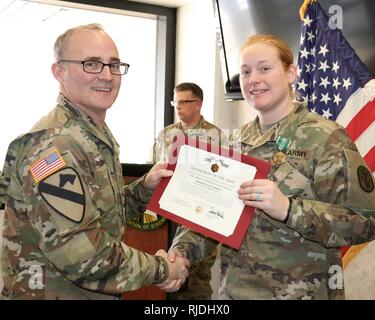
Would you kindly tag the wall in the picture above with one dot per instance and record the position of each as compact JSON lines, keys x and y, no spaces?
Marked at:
{"x":197,"y":60}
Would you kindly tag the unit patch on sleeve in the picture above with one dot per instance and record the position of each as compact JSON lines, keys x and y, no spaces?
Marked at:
{"x":47,"y":165}
{"x":365,"y":179}
{"x":63,"y":191}
{"x":147,"y":221}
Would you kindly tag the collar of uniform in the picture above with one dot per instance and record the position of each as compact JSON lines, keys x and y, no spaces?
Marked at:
{"x":200,"y":124}
{"x":104,"y":134}
{"x":287,"y":126}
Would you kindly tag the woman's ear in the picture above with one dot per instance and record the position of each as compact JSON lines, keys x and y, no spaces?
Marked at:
{"x":292,"y":73}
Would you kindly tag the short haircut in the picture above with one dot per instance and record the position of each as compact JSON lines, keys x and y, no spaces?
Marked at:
{"x":62,"y":40}
{"x":189,"y":86}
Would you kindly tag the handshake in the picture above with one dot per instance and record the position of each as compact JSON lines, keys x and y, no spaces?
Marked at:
{"x":178,"y":270}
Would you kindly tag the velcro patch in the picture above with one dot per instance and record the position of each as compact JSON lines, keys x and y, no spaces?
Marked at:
{"x":63,"y":191}
{"x":47,"y":165}
{"x":365,"y":179}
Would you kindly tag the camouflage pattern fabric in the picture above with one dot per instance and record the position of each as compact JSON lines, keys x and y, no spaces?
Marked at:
{"x":65,"y":214}
{"x":333,"y":205}
{"x":197,"y":285}
{"x":203,"y":131}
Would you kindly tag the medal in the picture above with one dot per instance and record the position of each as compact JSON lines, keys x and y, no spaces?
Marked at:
{"x":279,"y":157}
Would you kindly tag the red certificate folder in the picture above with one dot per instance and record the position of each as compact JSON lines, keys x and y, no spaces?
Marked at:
{"x":236,"y":238}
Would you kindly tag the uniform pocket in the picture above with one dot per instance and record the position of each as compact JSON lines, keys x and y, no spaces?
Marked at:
{"x":292,"y":182}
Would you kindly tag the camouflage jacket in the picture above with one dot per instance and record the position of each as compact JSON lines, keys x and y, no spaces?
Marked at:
{"x":65,"y":210}
{"x":333,"y":205}
{"x":203,"y":131}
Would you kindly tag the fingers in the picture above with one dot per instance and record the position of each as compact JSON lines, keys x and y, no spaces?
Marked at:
{"x":253,"y":190}
{"x":178,"y":270}
{"x":258,"y":190}
{"x":157,"y":172}
{"x":162,"y":173}
{"x":172,"y":255}
{"x":161,"y":253}
{"x":265,"y":195}
{"x":160,"y":165}
{"x":254,"y":183}
{"x":172,"y":286}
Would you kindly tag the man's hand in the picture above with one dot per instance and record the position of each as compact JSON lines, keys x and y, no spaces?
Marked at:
{"x":178,"y":271}
{"x":157,"y":172}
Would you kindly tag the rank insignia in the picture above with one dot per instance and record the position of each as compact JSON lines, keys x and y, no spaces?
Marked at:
{"x":279,"y":157}
{"x":63,"y":191}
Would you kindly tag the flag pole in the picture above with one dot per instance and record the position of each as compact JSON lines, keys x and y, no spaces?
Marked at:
{"x":303,"y":8}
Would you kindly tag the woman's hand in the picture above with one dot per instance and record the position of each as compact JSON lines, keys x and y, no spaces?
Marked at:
{"x":265,"y":195}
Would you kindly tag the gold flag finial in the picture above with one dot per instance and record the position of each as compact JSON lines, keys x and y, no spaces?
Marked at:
{"x":303,"y":8}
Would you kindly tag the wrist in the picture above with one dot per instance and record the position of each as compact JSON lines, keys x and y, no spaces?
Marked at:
{"x":288,"y":211}
{"x":162,"y":270}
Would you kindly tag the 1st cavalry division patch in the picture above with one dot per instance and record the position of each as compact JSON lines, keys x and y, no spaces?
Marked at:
{"x":63,"y":191}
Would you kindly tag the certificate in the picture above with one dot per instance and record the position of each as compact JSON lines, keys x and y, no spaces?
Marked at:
{"x":202,"y":193}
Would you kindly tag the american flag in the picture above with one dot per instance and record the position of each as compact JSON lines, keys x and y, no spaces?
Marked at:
{"x":47,"y":165}
{"x":334,"y":82}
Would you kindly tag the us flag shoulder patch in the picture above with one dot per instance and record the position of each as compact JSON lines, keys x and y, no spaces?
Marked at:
{"x":47,"y":165}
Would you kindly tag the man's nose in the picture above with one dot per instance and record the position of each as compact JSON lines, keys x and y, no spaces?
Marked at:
{"x":106,"y":73}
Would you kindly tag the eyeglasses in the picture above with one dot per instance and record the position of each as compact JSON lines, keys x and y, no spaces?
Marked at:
{"x":181,"y":102}
{"x":93,"y":66}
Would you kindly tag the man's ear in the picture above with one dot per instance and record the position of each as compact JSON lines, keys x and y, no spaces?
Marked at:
{"x":199,"y":104}
{"x":57,"y":71}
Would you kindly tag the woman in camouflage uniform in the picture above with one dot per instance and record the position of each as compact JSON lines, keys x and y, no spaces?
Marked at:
{"x":319,"y":194}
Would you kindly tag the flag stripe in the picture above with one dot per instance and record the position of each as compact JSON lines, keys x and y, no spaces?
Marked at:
{"x":370,"y":159}
{"x":363,"y":119}
{"x":48,"y":170}
{"x":355,"y":102}
{"x":365,"y":141}
{"x":42,"y":168}
{"x":47,"y":165}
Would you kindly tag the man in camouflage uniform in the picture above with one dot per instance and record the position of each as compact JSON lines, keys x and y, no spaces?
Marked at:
{"x":62,"y":184}
{"x":187,"y":100}
{"x":319,"y":194}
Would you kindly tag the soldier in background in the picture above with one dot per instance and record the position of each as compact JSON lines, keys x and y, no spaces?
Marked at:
{"x":188,"y":100}
{"x":319,"y":194}
{"x":63,"y":188}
